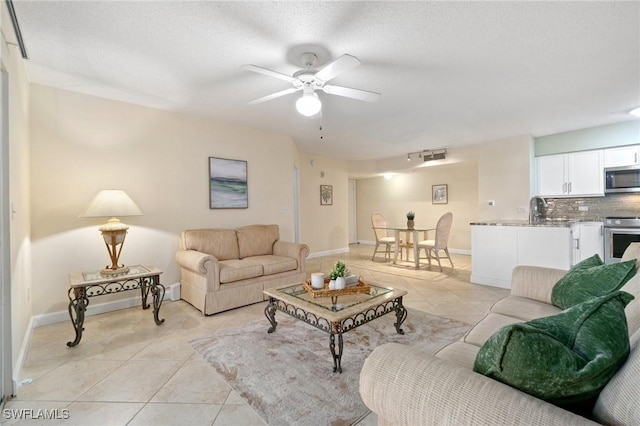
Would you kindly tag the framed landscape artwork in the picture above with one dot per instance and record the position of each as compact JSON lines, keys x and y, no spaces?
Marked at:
{"x":326,"y":195}
{"x":227,"y":184}
{"x":439,"y":194}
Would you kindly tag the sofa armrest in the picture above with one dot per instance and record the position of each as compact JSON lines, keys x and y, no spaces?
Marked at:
{"x":406,"y":386}
{"x":535,"y":282}
{"x":294,"y":250}
{"x":194,"y":261}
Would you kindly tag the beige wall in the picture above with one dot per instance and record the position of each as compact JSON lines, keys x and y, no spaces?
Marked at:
{"x":324,"y":228}
{"x":20,"y":239}
{"x":81,"y":144}
{"x":503,"y":174}
{"x":412,"y":191}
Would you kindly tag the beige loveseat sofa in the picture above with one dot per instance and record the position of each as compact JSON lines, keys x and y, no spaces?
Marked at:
{"x":406,"y":386}
{"x":223,"y":269}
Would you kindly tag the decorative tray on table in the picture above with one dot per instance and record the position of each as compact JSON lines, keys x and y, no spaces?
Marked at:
{"x":360,"y":287}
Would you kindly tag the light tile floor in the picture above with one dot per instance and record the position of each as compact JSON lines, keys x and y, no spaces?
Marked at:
{"x":128,"y":371}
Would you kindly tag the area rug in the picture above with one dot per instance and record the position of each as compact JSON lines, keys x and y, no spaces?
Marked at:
{"x":287,"y":376}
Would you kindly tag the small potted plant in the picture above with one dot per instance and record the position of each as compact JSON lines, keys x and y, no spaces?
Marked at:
{"x":410,"y":216}
{"x":337,"y":274}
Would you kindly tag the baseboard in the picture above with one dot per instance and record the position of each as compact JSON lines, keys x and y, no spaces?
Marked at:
{"x":451,"y":250}
{"x":17,"y":368}
{"x":493,"y":282}
{"x":328,"y":252}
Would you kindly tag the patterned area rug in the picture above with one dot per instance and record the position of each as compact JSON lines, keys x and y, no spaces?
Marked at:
{"x":287,"y":376}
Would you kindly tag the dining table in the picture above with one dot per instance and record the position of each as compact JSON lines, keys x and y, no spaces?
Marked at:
{"x":411,"y":238}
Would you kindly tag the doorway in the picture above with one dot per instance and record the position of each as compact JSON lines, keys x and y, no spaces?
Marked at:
{"x":353,"y":223}
{"x":296,"y":204}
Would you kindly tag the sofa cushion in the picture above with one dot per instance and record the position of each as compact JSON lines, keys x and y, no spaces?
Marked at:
{"x":523,"y":308}
{"x":486,"y":328}
{"x":256,"y":240}
{"x":272,"y":264}
{"x":619,"y":400}
{"x":239,"y":269}
{"x":461,"y":353}
{"x":565,"y":359}
{"x":221,"y":243}
{"x":582,"y":283}
{"x":633,"y":308}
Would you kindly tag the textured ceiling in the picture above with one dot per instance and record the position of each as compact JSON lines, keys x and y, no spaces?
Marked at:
{"x":450,"y":73}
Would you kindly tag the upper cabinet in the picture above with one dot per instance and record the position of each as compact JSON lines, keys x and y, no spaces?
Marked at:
{"x":575,"y":174}
{"x":622,"y":156}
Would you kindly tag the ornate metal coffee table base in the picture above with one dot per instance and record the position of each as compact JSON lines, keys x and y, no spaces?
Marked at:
{"x":336,"y":328}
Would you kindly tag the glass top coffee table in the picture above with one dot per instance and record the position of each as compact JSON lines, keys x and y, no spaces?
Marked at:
{"x":337,"y":312}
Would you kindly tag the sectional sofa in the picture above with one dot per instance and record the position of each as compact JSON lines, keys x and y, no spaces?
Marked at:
{"x":405,"y":386}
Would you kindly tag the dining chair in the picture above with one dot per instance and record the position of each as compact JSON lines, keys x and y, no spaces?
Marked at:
{"x":378,"y":222}
{"x":440,"y":241}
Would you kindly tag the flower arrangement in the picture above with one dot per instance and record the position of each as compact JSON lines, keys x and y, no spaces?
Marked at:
{"x":339,"y":270}
{"x":410,"y":215}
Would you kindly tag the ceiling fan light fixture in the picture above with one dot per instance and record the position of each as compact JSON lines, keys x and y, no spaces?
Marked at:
{"x":309,"y":104}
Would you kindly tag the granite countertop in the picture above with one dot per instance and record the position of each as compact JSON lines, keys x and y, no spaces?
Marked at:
{"x":551,"y":222}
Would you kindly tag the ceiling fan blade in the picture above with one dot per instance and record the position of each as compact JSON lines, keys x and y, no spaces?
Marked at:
{"x":270,"y":73}
{"x":362,"y":95}
{"x":340,"y":65}
{"x":273,"y":96}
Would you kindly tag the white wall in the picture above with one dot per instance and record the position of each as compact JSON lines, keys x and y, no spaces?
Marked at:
{"x":324,"y":228}
{"x":81,"y":144}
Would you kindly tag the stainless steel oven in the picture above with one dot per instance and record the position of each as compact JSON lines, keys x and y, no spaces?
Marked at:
{"x":619,"y":232}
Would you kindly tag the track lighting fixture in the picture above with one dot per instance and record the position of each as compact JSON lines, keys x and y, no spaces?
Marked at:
{"x":429,"y":154}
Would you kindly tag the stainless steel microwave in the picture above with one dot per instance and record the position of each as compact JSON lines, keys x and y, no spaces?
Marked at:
{"x":622,"y":179}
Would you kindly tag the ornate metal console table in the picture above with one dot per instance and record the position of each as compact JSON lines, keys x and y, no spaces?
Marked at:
{"x":83,"y":285}
{"x":335,"y":318}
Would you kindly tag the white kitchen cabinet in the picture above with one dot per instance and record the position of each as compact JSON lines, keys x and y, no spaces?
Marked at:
{"x":575,"y":174}
{"x":496,"y":250}
{"x":551,"y":175}
{"x":588,"y":239}
{"x":622,"y":156}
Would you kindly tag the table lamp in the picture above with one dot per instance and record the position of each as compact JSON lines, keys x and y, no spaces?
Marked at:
{"x":112,"y":203}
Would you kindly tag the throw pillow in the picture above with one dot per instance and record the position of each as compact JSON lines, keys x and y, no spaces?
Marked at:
{"x":584,"y":282}
{"x":565,"y":359}
{"x":589,"y":262}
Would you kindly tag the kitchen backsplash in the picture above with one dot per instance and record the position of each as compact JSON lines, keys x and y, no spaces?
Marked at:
{"x":599,"y":207}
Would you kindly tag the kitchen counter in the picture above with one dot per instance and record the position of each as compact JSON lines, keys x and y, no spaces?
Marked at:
{"x":498,"y":246}
{"x":552,"y":222}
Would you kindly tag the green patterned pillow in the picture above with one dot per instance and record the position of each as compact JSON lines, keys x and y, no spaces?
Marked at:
{"x":566,"y":358}
{"x":585,"y":281}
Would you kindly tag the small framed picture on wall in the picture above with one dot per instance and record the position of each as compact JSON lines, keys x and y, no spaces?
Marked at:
{"x":326,"y":195}
{"x":439,"y":194}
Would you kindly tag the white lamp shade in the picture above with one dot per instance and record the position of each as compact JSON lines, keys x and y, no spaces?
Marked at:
{"x":309,"y":104}
{"x":112,"y":203}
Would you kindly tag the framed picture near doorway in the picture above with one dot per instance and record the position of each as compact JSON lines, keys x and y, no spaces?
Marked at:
{"x":326,"y":195}
{"x":439,"y":194}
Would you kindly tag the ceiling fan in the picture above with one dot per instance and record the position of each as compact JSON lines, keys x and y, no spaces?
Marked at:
{"x":309,"y":80}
